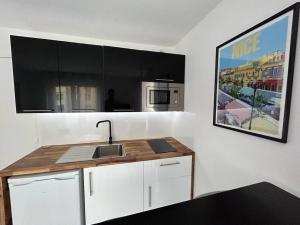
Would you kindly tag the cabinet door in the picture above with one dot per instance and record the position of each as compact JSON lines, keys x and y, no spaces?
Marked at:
{"x":80,"y":68}
{"x":122,"y":78}
{"x":35,"y":64}
{"x":163,"y":67}
{"x":172,"y":67}
{"x":113,"y":191}
{"x":150,"y":66}
{"x":167,"y":181}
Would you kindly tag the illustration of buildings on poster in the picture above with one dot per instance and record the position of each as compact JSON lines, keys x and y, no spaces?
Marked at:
{"x":250,"y":80}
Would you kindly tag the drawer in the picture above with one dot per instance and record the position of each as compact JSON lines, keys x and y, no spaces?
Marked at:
{"x":169,"y":168}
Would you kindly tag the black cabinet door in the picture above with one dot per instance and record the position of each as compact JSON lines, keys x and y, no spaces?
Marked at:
{"x":36,"y":81}
{"x":171,"y":67}
{"x":122,"y":79}
{"x":150,"y":66}
{"x":80,"y":73}
{"x":163,"y":67}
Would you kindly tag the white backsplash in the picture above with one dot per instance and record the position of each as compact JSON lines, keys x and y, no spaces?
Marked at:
{"x":66,"y":128}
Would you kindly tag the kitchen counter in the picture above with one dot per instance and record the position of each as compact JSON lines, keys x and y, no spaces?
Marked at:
{"x":44,"y":159}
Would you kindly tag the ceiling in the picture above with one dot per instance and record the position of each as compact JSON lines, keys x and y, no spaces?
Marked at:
{"x":158,"y":22}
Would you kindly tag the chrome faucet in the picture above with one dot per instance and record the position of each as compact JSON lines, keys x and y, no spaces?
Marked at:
{"x":106,"y":121}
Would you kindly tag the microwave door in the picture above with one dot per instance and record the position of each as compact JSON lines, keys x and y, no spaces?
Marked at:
{"x":158,"y":99}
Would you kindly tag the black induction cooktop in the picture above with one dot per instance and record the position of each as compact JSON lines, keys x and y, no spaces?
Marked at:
{"x":161,"y":146}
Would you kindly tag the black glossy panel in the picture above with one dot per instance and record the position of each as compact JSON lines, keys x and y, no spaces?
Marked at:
{"x":150,"y":66}
{"x":122,"y":78}
{"x":35,"y":75}
{"x":163,"y":67}
{"x":81,"y":82}
{"x":54,"y":76}
{"x":172,"y":67}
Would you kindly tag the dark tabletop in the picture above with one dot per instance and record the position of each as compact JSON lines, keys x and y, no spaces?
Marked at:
{"x":258,"y":204}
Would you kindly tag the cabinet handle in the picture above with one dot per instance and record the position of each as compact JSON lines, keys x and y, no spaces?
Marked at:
{"x":38,"y":110}
{"x":83,"y":110}
{"x":169,"y":80}
{"x":150,"y":196}
{"x":64,"y":178}
{"x":91,"y":183}
{"x":123,"y":110}
{"x":169,"y":164}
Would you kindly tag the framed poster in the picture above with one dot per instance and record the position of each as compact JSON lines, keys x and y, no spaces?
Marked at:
{"x":254,"y":75}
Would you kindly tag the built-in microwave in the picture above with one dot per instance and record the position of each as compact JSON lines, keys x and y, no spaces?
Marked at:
{"x":159,"y":96}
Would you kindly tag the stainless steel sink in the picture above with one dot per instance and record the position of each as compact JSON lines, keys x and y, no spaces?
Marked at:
{"x":90,"y":152}
{"x":103,"y":151}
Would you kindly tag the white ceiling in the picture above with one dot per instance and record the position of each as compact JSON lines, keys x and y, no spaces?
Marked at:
{"x":158,"y":22}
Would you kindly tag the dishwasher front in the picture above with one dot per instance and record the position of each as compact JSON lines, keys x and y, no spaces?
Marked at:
{"x":47,"y":199}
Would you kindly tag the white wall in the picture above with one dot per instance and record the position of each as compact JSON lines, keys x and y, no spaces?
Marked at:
{"x":228,"y":159}
{"x":18,"y":133}
{"x":22,"y":133}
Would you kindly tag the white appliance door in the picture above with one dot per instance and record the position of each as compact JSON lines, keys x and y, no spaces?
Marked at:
{"x":47,"y":200}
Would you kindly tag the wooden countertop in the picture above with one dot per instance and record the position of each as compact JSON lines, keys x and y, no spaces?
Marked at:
{"x":43,"y":159}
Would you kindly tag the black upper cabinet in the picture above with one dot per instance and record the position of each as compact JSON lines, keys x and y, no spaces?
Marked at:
{"x":35,"y":75}
{"x":150,"y":66}
{"x":172,"y":67}
{"x":56,"y":76}
{"x":163,"y":67}
{"x":81,"y":81}
{"x":122,"y":80}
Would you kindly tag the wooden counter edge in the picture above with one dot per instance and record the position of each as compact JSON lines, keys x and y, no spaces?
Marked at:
{"x":5,"y":210}
{"x":193,"y":175}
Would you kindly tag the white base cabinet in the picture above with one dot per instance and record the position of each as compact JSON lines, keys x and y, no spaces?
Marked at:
{"x":113,"y":191}
{"x":123,"y":189}
{"x":110,"y":191}
{"x":167,"y":181}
